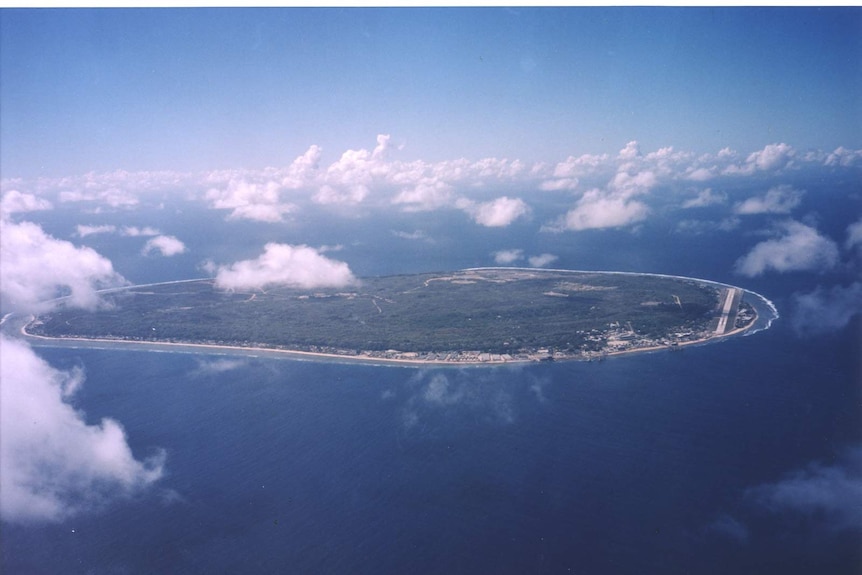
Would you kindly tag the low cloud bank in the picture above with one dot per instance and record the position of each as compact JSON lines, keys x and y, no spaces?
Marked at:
{"x":778,"y":200}
{"x":830,"y":493}
{"x":249,"y":200}
{"x":435,"y":393}
{"x":798,"y":247}
{"x":825,"y":310}
{"x":52,"y":463}
{"x":283,"y":264}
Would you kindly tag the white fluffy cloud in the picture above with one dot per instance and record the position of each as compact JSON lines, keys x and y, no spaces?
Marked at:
{"x":85,"y":230}
{"x":52,"y":463}
{"x":797,"y":248}
{"x":844,"y":157}
{"x":778,"y":200}
{"x":705,"y":198}
{"x":166,"y":245}
{"x":771,"y":158}
{"x":134,"y":231}
{"x":506,"y":257}
{"x":303,"y":169}
{"x":283,"y":264}
{"x":250,"y":201}
{"x":496,"y":213}
{"x":542,"y":260}
{"x":345,"y":196}
{"x":601,"y":210}
{"x":14,"y":201}
{"x":37,"y":267}
{"x":580,"y":166}
{"x":428,"y":194}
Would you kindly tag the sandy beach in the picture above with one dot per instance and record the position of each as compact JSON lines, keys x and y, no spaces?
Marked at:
{"x":192,"y":347}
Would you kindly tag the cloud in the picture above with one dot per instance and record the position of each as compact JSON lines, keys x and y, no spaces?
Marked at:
{"x":700,"y":174}
{"x":216,"y":366}
{"x":824,"y":310}
{"x":14,"y":201}
{"x":114,"y":198}
{"x":440,"y":391}
{"x":832,"y":494}
{"x":83,"y":230}
{"x":346,"y":196}
{"x":496,"y":213}
{"x":542,"y":260}
{"x":581,"y":166}
{"x":798,"y":248}
{"x":630,"y":184}
{"x":303,"y":169}
{"x":728,"y":527}
{"x":36,"y":267}
{"x":697,"y":227}
{"x":134,"y":231}
{"x":166,"y":245}
{"x":414,"y":235}
{"x":506,"y":257}
{"x":705,"y":198}
{"x":771,"y":158}
{"x":428,"y":194}
{"x":250,"y":201}
{"x":355,"y":173}
{"x":854,"y":235}
{"x":446,"y":394}
{"x":778,"y":200}
{"x":597,"y":209}
{"x":283,"y":264}
{"x":844,"y":157}
{"x":52,"y":463}
{"x":128,"y":231}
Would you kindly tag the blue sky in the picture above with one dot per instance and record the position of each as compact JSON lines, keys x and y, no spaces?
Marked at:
{"x":199,"y":89}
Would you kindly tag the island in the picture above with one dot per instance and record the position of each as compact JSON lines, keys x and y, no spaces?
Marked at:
{"x":472,"y":316}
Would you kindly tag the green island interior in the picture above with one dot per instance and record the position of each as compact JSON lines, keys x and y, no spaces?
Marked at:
{"x":476,"y":315}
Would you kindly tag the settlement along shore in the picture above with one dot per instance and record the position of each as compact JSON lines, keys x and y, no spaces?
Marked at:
{"x":565,"y":315}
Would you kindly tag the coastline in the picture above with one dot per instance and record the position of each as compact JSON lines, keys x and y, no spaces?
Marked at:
{"x":462,"y":358}
{"x":363,"y":357}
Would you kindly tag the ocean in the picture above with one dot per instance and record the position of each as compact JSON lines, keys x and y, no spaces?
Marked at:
{"x":648,"y":463}
{"x":630,"y":465}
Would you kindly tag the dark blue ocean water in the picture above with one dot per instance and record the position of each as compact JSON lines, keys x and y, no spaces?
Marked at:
{"x":624,"y":466}
{"x":639,"y":464}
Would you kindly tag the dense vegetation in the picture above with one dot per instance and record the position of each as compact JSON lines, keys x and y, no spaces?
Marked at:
{"x":489,"y":310}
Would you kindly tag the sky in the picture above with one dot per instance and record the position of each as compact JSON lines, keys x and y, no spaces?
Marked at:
{"x":199,"y":89}
{"x":275,"y":126}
